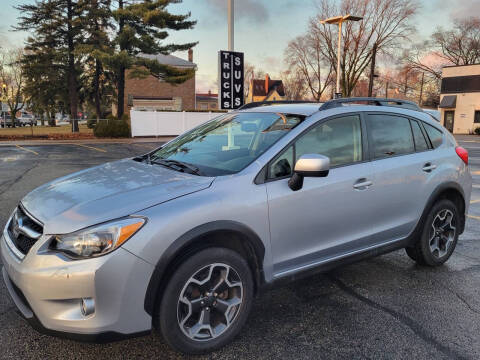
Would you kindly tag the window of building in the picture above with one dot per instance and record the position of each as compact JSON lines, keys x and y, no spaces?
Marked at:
{"x":390,"y":135}
{"x":461,"y":84}
{"x":476,"y":119}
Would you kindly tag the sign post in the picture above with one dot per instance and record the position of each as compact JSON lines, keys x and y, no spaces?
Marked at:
{"x":230,"y":77}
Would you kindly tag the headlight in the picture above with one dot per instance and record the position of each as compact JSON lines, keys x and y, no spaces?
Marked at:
{"x":97,"y":240}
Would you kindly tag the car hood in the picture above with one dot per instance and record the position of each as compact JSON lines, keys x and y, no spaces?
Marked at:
{"x":107,"y":192}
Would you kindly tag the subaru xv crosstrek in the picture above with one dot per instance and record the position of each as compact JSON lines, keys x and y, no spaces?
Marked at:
{"x":182,"y":238}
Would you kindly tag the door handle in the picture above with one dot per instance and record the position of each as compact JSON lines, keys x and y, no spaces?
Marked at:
{"x":429,"y":167}
{"x":362,"y":184}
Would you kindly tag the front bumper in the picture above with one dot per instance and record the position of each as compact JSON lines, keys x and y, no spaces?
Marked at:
{"x":47,"y":289}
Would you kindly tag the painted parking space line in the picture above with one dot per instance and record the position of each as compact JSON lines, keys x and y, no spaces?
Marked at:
{"x":477,"y":172}
{"x":29,"y":150}
{"x":473,"y":217}
{"x":145,"y":146}
{"x":476,"y":186}
{"x":92,"y":148}
{"x":475,"y":201}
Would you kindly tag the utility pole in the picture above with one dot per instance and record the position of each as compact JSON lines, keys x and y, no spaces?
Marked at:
{"x":420,"y":100}
{"x":405,"y":89}
{"x":231,"y":25}
{"x":372,"y":70}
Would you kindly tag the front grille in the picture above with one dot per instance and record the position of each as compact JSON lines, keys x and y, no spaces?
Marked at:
{"x":29,"y":222}
{"x":21,"y":225}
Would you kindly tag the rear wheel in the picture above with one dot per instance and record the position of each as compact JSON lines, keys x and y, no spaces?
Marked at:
{"x":439,"y":236}
{"x":206,"y":301}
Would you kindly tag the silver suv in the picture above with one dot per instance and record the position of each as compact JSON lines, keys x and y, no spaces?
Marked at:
{"x":182,"y":238}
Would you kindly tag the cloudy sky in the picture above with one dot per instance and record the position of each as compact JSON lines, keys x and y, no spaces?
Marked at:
{"x":262,"y":29}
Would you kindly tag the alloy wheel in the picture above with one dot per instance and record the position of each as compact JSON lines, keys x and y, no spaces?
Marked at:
{"x":209,"y":302}
{"x":442,"y":234}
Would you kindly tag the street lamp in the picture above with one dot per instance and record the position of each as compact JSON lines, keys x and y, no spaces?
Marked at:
{"x":339,"y":20}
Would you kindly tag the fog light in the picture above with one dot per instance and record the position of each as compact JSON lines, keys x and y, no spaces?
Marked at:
{"x":87,"y":306}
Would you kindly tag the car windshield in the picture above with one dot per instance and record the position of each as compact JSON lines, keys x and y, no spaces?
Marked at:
{"x":228,"y":143}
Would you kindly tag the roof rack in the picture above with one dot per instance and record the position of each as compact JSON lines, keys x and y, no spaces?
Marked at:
{"x":275,"y":102}
{"x":330,"y":104}
{"x":406,"y":104}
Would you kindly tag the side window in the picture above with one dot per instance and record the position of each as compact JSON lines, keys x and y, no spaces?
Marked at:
{"x":420,"y":141}
{"x":390,"y":135}
{"x":283,"y":165}
{"x":435,"y":135}
{"x":340,"y":139}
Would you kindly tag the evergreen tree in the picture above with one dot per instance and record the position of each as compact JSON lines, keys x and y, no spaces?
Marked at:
{"x":95,"y":21}
{"x":55,"y":27}
{"x":46,"y":82}
{"x":141,"y":27}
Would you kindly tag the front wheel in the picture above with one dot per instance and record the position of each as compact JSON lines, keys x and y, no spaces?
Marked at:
{"x":207,"y":301}
{"x":439,"y":236}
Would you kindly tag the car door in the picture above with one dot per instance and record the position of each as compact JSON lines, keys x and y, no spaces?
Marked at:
{"x":328,"y":217}
{"x":401,"y":162}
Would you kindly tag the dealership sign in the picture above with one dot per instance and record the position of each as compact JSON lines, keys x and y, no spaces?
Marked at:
{"x":230,"y":66}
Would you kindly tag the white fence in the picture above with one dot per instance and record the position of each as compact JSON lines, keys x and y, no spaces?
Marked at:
{"x":164,"y":123}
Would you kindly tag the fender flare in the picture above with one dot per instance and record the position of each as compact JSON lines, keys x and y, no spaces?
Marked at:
{"x":450,"y":185}
{"x":189,"y":238}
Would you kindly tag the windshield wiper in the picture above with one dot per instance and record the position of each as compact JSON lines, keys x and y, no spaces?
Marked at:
{"x":177,"y":165}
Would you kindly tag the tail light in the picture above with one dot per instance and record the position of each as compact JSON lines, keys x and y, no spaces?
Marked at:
{"x":462,"y":153}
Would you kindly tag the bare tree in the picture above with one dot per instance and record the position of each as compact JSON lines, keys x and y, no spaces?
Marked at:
{"x":251,"y":72}
{"x":306,"y":59}
{"x":12,"y":75}
{"x":457,"y":46}
{"x":294,"y":85}
{"x":385,"y":23}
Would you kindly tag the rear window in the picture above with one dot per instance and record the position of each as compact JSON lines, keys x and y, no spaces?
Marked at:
{"x":435,"y":135}
{"x":390,"y":135}
{"x":420,"y":141}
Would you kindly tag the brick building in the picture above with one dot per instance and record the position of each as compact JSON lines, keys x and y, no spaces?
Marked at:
{"x":208,"y":101}
{"x":265,"y":90}
{"x":152,"y":94}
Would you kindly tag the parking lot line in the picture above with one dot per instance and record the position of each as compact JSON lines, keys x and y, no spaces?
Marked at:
{"x":21,"y":147}
{"x":475,"y":201}
{"x":92,"y":147}
{"x":145,"y":146}
{"x":477,"y":172}
{"x":473,"y":217}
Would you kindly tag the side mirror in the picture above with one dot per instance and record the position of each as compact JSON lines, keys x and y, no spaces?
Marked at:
{"x":309,"y":165}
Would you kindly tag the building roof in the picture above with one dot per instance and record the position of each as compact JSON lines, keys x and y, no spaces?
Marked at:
{"x":206,"y":97}
{"x":169,"y":60}
{"x":259,"y":87}
{"x":453,"y":66}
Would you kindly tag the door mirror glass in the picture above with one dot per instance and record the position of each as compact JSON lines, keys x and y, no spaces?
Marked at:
{"x":309,"y":165}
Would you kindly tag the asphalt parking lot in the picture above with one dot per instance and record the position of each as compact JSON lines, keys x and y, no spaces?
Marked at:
{"x":386,"y":307}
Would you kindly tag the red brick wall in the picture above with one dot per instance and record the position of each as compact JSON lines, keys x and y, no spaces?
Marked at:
{"x":151,"y":86}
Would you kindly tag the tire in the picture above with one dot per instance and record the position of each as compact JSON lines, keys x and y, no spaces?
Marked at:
{"x":439,"y":235}
{"x":180,"y":320}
